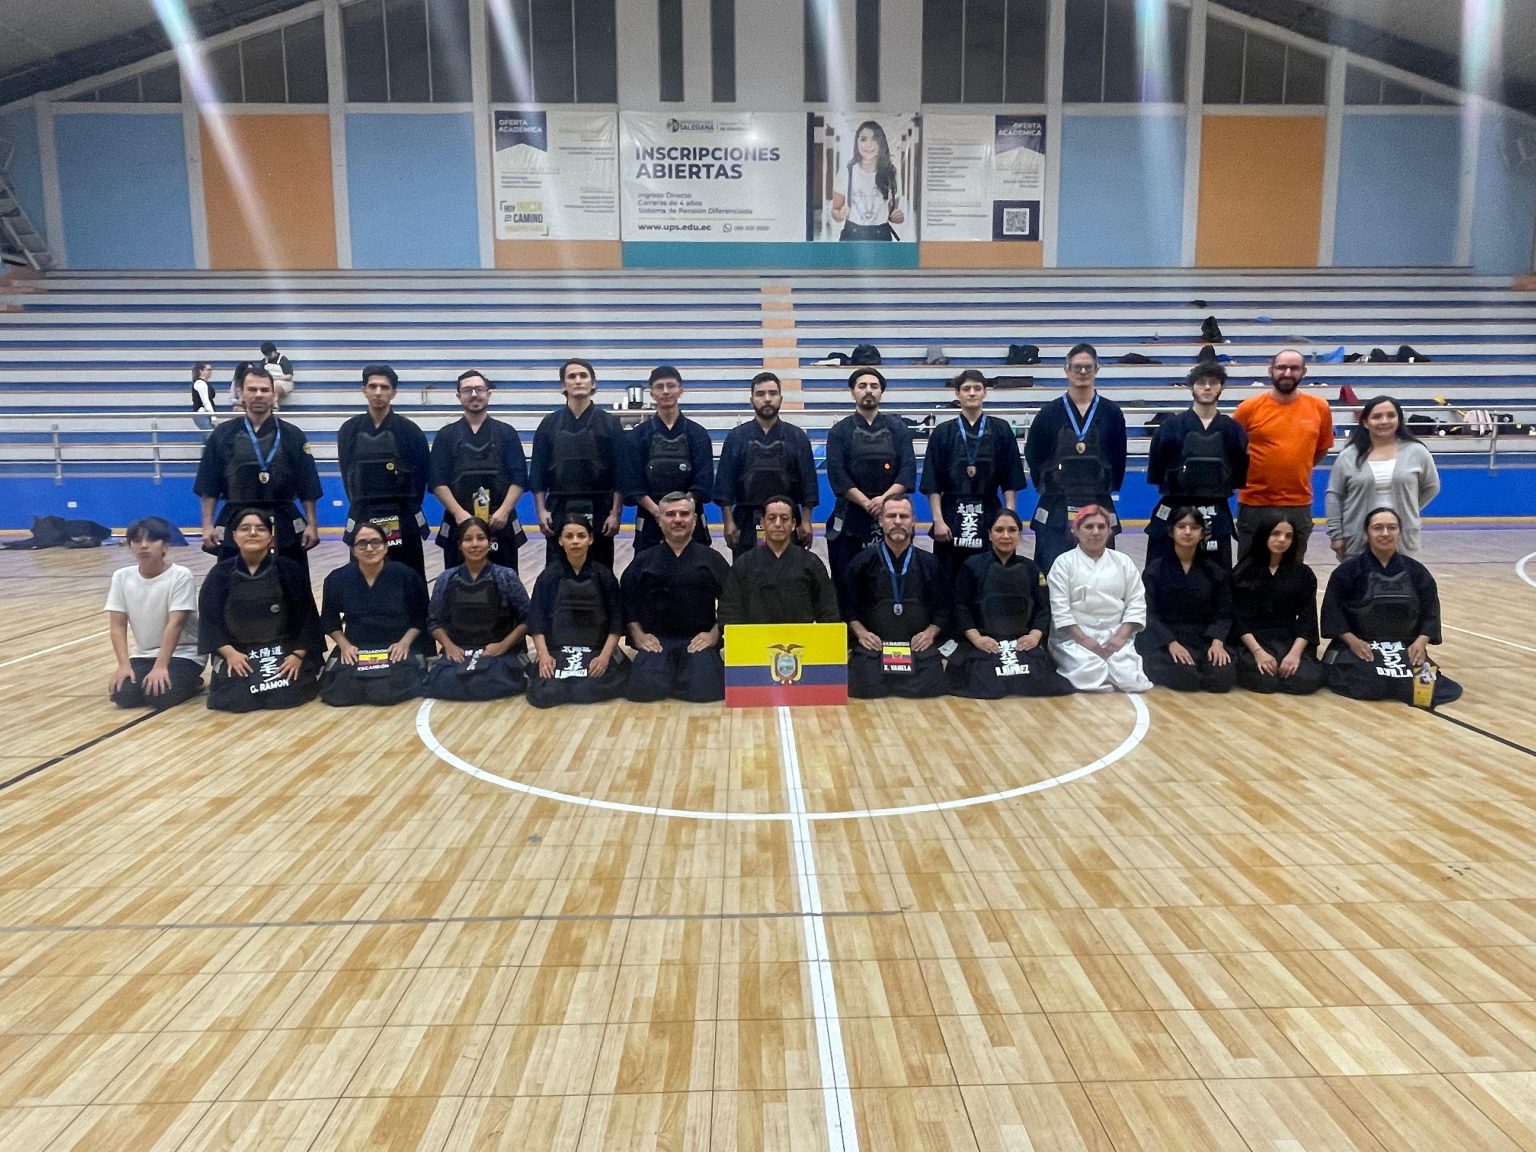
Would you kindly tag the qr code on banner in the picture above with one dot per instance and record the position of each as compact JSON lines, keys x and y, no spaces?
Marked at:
{"x":1015,"y":221}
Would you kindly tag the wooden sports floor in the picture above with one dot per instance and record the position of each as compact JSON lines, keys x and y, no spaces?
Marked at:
{"x":1260,"y":924}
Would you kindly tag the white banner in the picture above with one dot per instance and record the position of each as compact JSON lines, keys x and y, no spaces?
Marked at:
{"x":736,"y":176}
{"x":555,"y":175}
{"x":862,"y":182}
{"x":983,"y":177}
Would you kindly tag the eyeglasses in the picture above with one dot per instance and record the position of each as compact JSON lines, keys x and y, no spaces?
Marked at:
{"x":1082,"y":369}
{"x":474,"y":390}
{"x":368,"y":545}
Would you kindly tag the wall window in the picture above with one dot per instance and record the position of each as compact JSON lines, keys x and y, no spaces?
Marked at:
{"x":1243,"y":67}
{"x":818,"y":84}
{"x":407,"y":51}
{"x":283,"y":66}
{"x":722,"y":51}
{"x":1109,"y":60}
{"x":984,"y":51}
{"x":553,"y":51}
{"x":162,"y":86}
{"x":669,"y":44}
{"x":1362,"y":86}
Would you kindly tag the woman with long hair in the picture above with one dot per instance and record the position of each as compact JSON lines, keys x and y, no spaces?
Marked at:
{"x":865,"y":196}
{"x":202,"y":397}
{"x":1274,"y":608}
{"x":1189,"y":612}
{"x":576,"y":623}
{"x":1383,"y":465}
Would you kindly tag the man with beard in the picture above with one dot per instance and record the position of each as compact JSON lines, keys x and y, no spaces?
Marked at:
{"x":901,"y":608}
{"x":1289,"y":433}
{"x":384,"y":463}
{"x":781,"y":582}
{"x":478,"y":472}
{"x":263,"y":463}
{"x":761,"y":458}
{"x":670,"y":593}
{"x":869,"y":461}
{"x":668,"y":453}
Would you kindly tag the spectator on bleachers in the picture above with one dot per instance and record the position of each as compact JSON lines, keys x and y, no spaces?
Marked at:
{"x":901,"y":610}
{"x":376,"y":616}
{"x":1098,"y":603}
{"x":479,"y":472}
{"x":203,"y":410}
{"x":1382,"y":612}
{"x":869,"y":461}
{"x":667,"y":453}
{"x":152,"y":609}
{"x":1076,"y":455}
{"x":385,"y":462}
{"x":671,"y":594}
{"x":764,"y":457}
{"x":781,"y":582}
{"x":1189,"y":613}
{"x":1196,"y":460}
{"x":971,"y":469}
{"x":479,"y":616}
{"x":236,"y":386}
{"x":577,"y":465}
{"x":257,"y":619}
{"x":279,"y":368}
{"x":1383,"y":465}
{"x":1289,"y":433}
{"x":1274,"y":606}
{"x":264,"y":462}
{"x":576,"y":621}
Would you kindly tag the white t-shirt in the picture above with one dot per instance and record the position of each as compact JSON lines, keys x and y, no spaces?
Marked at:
{"x":149,"y":603}
{"x":1381,"y":482}
{"x":865,"y":204}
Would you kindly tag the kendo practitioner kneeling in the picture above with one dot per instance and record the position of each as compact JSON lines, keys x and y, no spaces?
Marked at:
{"x":375,"y":612}
{"x":1003,"y":611}
{"x":901,"y":607}
{"x":670,"y":595}
{"x":1189,"y":613}
{"x":479,"y":616}
{"x":577,"y":621}
{"x":578,"y":466}
{"x":1382,"y":612}
{"x":780,"y":582}
{"x":262,"y":463}
{"x":257,"y":620}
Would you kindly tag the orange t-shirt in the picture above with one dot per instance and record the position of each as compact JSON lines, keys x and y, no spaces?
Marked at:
{"x":1283,"y":441}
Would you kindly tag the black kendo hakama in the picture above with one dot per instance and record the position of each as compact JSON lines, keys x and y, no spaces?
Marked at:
{"x":1191,"y":608}
{"x":476,"y":613}
{"x":267,"y":614}
{"x":1004,"y":601}
{"x":373,"y":618}
{"x":1276,"y":609}
{"x":576,"y":612}
{"x":896,"y":599}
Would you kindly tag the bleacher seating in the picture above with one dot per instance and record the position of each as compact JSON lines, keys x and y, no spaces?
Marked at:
{"x":94,"y":367}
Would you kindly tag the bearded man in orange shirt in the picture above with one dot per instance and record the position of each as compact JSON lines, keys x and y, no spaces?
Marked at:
{"x":1289,"y":433}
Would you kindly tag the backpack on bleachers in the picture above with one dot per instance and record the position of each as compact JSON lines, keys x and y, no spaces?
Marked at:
{"x":865,"y":354}
{"x":1023,"y":354}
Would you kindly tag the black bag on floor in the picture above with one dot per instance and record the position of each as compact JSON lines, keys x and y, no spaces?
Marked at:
{"x":56,"y":532}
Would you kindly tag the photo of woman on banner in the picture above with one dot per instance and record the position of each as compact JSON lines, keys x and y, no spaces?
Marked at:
{"x":862,"y":178}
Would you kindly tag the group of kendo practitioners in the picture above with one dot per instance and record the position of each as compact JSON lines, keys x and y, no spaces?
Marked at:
{"x":1078,"y":616}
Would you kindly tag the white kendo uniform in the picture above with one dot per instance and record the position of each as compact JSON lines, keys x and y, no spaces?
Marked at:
{"x":1097,"y":596}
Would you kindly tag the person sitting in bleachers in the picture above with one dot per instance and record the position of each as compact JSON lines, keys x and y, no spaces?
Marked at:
{"x":577,"y":621}
{"x":1274,"y":606}
{"x":479,"y":617}
{"x":153,"y":611}
{"x":376,"y":614}
{"x":256,"y":617}
{"x":1189,"y":612}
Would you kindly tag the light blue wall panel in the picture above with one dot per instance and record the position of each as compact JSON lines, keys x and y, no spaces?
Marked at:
{"x":19,"y":129}
{"x":123,"y":184}
{"x":1398,"y":176}
{"x":411,"y":190}
{"x":1505,"y":217}
{"x":1122,"y":191}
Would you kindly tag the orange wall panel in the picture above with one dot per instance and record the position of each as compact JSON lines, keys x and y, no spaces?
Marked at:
{"x":1261,"y":191}
{"x":270,"y":204}
{"x":559,"y":255}
{"x":998,"y":254}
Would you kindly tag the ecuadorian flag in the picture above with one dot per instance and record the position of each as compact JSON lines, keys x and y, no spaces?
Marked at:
{"x":771,"y":664}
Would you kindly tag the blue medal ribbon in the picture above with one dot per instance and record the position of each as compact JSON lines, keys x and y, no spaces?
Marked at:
{"x":263,"y":462}
{"x":965,"y":441}
{"x":898,"y":581}
{"x":1081,"y":429}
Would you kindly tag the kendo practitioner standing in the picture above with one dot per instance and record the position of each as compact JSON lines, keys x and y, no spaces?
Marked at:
{"x":1197,"y":459}
{"x":385,"y":462}
{"x":901,"y":607}
{"x":670,"y":595}
{"x":478,"y":472}
{"x":761,"y":458}
{"x":781,"y":582}
{"x":668,"y":453}
{"x":1076,"y":455}
{"x":259,"y":462}
{"x":576,"y":467}
{"x":869,"y":461}
{"x":969,"y":463}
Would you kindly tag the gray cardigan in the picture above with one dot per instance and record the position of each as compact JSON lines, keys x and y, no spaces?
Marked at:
{"x":1415,"y":481}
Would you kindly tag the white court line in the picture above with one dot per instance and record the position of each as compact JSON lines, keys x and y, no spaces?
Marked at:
{"x":435,"y":746}
{"x":55,"y":648}
{"x":1485,"y":636}
{"x":1520,"y":569}
{"x":836,"y":1094}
